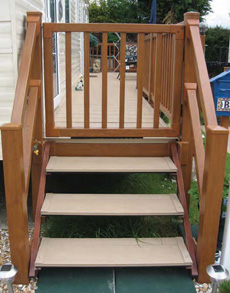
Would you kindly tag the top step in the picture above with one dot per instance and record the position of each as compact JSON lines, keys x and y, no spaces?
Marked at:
{"x":111,"y":164}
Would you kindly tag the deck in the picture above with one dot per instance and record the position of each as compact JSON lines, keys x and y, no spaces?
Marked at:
{"x":113,"y":104}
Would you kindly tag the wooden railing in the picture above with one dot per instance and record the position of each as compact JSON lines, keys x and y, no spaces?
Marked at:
{"x":210,"y":162}
{"x":112,"y":54}
{"x":162,"y":82}
{"x":172,"y":108}
{"x":159,"y":76}
{"x":18,"y":138}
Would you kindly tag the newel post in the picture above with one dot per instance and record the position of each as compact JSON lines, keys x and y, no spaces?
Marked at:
{"x":16,"y":199}
{"x":189,"y":77}
{"x":36,"y":75}
{"x":211,"y":199}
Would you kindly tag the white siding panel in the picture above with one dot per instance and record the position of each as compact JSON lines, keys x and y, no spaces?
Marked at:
{"x":5,"y":14}
{"x":5,"y":37}
{"x":6,"y":61}
{"x":22,"y":7}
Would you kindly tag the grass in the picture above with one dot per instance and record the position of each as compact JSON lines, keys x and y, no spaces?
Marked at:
{"x":225,"y":287}
{"x":111,"y":227}
{"x":120,"y":226}
{"x":194,"y":195}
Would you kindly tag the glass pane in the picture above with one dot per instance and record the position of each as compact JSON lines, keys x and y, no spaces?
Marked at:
{"x":53,"y":16}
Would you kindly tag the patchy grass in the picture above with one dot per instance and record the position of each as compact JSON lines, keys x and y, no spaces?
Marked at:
{"x":194,"y":195}
{"x":225,"y":287}
{"x":194,"y":204}
{"x":110,"y":227}
{"x":120,"y":226}
{"x":117,"y":227}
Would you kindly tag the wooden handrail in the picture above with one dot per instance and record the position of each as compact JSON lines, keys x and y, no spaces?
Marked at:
{"x":24,"y":74}
{"x":204,"y":87}
{"x":49,"y":28}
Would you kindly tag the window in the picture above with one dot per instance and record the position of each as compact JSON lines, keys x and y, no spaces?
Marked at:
{"x":67,"y":11}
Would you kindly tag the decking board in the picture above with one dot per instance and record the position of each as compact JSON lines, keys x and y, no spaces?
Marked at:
{"x":111,"y":164}
{"x":116,"y":252}
{"x":112,"y":204}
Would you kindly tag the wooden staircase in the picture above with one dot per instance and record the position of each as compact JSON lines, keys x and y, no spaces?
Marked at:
{"x":105,"y":252}
{"x":172,"y":76}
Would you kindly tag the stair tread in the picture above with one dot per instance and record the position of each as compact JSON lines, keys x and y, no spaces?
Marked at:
{"x":111,"y":204}
{"x":110,"y":164}
{"x":112,"y":252}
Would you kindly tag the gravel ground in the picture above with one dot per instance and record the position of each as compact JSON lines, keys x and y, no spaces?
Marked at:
{"x":201,"y":288}
{"x":5,"y":257}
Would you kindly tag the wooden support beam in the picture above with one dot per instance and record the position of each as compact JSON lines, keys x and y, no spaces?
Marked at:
{"x":86,"y":80}
{"x":140,"y":61}
{"x":36,"y":75}
{"x":189,"y":77}
{"x":177,"y":83}
{"x":104,"y":79}
{"x":181,"y":194}
{"x":122,"y":81}
{"x":16,"y":199}
{"x":48,"y":74}
{"x":158,"y":81}
{"x":40,"y":199}
{"x":68,"y":66}
{"x":211,"y":200}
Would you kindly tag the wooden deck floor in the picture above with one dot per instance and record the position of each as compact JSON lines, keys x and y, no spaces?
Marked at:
{"x":113,"y":104}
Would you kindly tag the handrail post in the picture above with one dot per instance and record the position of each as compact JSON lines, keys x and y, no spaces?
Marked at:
{"x":36,"y":74}
{"x":16,"y":199}
{"x":211,"y":199}
{"x":189,"y":77}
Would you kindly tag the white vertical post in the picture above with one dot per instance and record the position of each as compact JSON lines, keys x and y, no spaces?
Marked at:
{"x":229,"y":50}
{"x":225,"y":253}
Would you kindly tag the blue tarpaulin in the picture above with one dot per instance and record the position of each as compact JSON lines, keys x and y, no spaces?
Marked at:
{"x":153,"y":16}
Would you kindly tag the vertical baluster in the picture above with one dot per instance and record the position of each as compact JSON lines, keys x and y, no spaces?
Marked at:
{"x":152,"y":68}
{"x":140,"y":58}
{"x":86,"y":80}
{"x":48,"y":71}
{"x":169,"y":72}
{"x":158,"y":75}
{"x":171,"y":75}
{"x":68,"y":79}
{"x":122,"y":80}
{"x":104,"y":79}
{"x":166,"y":71}
{"x":163,"y":70}
{"x":178,"y":46}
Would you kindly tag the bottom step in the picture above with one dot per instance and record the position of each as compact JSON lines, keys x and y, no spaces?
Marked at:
{"x":117,"y":252}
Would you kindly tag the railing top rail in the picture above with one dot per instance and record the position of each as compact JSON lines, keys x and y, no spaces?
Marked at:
{"x":50,"y":28}
{"x":25,"y":68}
{"x":204,"y":87}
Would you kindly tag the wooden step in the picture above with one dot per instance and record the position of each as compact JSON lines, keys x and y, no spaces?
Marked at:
{"x":117,"y":252}
{"x":112,"y":204}
{"x":111,"y":164}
